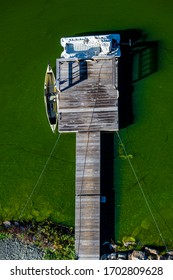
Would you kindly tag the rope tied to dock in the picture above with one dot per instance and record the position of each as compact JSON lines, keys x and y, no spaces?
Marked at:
{"x":40,"y":176}
{"x":142,"y":191}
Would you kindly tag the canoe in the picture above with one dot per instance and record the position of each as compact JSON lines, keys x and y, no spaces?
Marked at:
{"x":51,"y":98}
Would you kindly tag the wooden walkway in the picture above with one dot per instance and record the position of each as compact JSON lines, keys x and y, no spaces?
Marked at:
{"x":87,"y":210}
{"x":88,"y":104}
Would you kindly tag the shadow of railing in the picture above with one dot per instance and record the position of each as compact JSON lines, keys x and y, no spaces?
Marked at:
{"x":136,"y":62}
{"x":76,"y":73}
{"x":107,"y":188}
{"x":145,"y":59}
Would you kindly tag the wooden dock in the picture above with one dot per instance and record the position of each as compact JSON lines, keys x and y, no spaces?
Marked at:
{"x":88,"y":98}
{"x":88,"y":104}
{"x":87,"y":209}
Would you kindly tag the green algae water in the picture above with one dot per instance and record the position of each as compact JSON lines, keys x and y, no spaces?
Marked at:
{"x":30,"y":33}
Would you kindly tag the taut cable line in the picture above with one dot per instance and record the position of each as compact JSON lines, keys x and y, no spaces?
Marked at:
{"x":142,"y":191}
{"x":39,"y":178}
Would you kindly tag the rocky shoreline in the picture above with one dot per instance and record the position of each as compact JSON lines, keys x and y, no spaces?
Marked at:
{"x":29,"y":241}
{"x":146,"y":253}
{"x":137,"y":255}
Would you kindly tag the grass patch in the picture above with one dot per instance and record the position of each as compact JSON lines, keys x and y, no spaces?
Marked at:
{"x":3,"y":236}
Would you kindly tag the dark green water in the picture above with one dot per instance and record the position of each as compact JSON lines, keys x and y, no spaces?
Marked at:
{"x":30,"y":33}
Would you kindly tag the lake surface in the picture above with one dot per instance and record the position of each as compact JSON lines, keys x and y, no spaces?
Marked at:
{"x":30,"y":37}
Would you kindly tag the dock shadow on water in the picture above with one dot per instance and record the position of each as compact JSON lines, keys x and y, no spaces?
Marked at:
{"x":110,"y":191}
{"x":107,"y":205}
{"x":145,"y":59}
{"x":125,"y":76}
{"x":138,"y":60}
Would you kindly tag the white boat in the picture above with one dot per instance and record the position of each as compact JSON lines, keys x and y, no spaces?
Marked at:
{"x":88,"y":47}
{"x":51,"y":98}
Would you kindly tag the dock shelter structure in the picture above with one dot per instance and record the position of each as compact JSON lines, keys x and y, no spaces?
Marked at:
{"x":87,"y":85}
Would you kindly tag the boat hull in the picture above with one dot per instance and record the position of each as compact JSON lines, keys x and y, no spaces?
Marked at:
{"x":50,"y":98}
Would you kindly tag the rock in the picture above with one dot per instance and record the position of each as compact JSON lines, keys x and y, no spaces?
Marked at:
{"x":129,"y":243}
{"x":113,"y":256}
{"x":16,"y":224}
{"x":7,"y":224}
{"x":151,"y":251}
{"x":109,"y":247}
{"x":104,"y":257}
{"x":152,"y":257}
{"x":138,"y":255}
{"x":122,"y":256}
{"x":129,"y":257}
{"x":169,"y":257}
{"x":161,"y":257}
{"x":22,"y":228}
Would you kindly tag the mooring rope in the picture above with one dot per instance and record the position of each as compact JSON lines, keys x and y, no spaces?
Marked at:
{"x":39,"y":178}
{"x":142,"y":191}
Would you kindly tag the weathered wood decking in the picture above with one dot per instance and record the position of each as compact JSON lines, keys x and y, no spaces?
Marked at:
{"x":88,"y":98}
{"x":87,"y":209}
{"x":88,"y":104}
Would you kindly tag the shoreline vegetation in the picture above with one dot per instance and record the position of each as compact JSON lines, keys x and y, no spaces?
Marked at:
{"x":55,"y":240}
{"x":49,"y":241}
